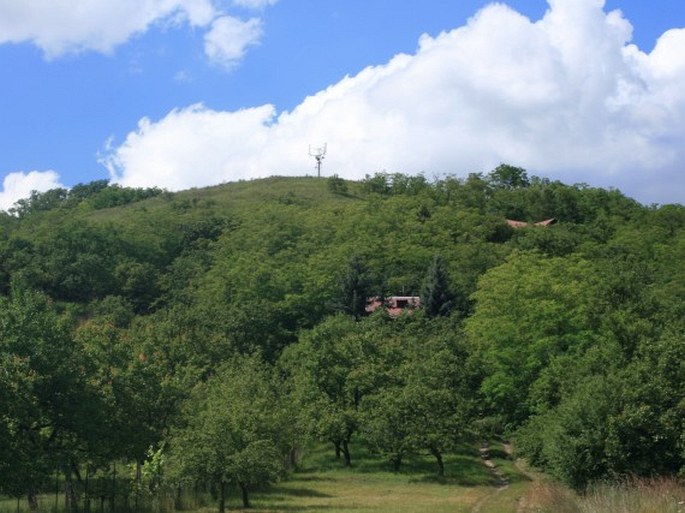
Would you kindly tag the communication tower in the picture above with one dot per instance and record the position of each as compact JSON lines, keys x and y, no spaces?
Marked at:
{"x":319,"y":154}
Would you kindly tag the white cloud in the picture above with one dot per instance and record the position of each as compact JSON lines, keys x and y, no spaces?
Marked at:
{"x":186,"y":148}
{"x":19,"y":185}
{"x":566,"y":97}
{"x":60,"y":27}
{"x":254,"y":4}
{"x":229,"y":38}
{"x":63,"y":26}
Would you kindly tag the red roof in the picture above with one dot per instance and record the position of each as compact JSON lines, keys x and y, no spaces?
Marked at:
{"x":394,"y":305}
{"x":523,"y":224}
{"x":516,"y":224}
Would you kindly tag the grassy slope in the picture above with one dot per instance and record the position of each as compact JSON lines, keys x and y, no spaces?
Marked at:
{"x":369,"y":486}
{"x":322,"y":484}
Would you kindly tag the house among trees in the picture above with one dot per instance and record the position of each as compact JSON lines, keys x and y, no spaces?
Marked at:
{"x":394,"y":305}
{"x":524,"y":224}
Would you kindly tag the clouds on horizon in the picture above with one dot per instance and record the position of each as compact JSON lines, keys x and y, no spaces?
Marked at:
{"x":19,"y":185}
{"x":567,"y":97}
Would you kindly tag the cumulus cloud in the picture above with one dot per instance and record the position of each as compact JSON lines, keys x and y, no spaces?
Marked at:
{"x":229,"y":38}
{"x":59,"y":27}
{"x":19,"y":185}
{"x":186,"y":148}
{"x":254,"y":4}
{"x":62,"y":26}
{"x":566,"y":96}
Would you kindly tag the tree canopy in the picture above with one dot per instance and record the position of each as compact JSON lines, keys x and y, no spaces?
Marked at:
{"x":236,"y":315}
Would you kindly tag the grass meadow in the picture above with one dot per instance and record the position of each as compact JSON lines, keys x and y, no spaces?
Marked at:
{"x":324,"y":485}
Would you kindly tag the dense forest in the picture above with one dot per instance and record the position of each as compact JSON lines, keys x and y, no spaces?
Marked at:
{"x":204,"y":338}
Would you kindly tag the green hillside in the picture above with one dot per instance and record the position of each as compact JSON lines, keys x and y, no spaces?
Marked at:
{"x":209,"y":335}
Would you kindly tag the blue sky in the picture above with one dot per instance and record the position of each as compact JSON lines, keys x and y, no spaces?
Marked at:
{"x":196,"y":92}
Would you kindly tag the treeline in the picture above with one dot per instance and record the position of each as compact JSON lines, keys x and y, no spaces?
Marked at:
{"x":208,"y":336}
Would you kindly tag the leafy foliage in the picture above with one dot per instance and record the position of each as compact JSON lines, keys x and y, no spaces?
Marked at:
{"x":144,"y":310}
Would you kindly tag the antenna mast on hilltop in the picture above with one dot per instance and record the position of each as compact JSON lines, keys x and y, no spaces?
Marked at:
{"x":319,"y":154}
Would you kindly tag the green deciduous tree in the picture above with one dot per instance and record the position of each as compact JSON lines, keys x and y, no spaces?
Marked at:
{"x":527,"y":311}
{"x":329,"y":364}
{"x":233,"y":428}
{"x":49,"y":411}
{"x":508,"y":177}
{"x":424,"y":385}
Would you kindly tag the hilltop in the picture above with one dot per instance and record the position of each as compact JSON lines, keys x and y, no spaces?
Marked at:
{"x":148,"y":313}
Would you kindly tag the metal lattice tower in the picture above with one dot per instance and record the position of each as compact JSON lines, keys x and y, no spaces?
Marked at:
{"x":319,"y":154}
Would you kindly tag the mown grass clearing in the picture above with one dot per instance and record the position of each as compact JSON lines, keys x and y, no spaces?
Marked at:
{"x":323,"y":484}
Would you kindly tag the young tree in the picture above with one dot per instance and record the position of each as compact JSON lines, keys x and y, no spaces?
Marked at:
{"x":232,"y":430}
{"x":328,"y":364}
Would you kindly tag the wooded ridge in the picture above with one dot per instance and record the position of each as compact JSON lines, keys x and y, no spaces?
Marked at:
{"x":208,"y":335}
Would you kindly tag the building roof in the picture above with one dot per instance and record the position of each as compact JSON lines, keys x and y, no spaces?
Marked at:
{"x":394,"y":305}
{"x":524,"y":224}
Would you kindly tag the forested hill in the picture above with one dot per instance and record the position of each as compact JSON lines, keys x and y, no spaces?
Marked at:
{"x":572,"y":333}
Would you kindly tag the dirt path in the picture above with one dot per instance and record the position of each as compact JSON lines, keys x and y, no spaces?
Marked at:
{"x":521,"y":502}
{"x":502,"y":481}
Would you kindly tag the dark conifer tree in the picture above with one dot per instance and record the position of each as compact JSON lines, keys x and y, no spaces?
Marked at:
{"x":437,"y":298}
{"x":354,"y":288}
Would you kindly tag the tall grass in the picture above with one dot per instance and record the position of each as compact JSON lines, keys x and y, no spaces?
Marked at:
{"x":631,"y":496}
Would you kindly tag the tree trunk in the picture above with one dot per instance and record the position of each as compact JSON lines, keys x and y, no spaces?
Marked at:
{"x":32,"y":497}
{"x":73,"y":499}
{"x":75,"y":487}
{"x":86,"y":497}
{"x":56,"y":490}
{"x":396,"y":461}
{"x":336,"y":443}
{"x":222,"y":497}
{"x":346,"y":453}
{"x":138,"y":484}
{"x":291,"y":459}
{"x":243,"y":493}
{"x":70,"y":496}
{"x":178,"y":502}
{"x":113,"y":497}
{"x":441,"y":465}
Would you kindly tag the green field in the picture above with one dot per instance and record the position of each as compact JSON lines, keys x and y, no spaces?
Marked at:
{"x":322,"y":484}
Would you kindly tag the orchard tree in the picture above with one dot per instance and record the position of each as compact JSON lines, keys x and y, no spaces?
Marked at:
{"x":384,"y":424}
{"x":424,"y":384}
{"x":232,"y":430}
{"x":438,"y":389}
{"x":329,"y":365}
{"x":49,"y":410}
